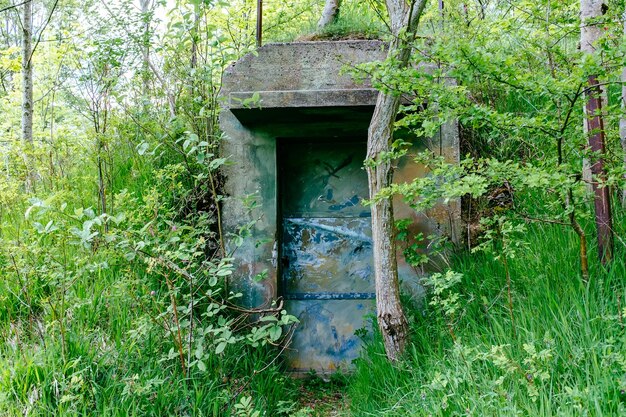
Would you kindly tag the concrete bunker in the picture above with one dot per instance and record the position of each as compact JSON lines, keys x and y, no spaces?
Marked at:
{"x":296,"y":130}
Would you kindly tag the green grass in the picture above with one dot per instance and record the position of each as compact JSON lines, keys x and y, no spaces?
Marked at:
{"x":76,"y":337}
{"x":355,"y":21}
{"x":103,"y":370}
{"x":566,"y":357}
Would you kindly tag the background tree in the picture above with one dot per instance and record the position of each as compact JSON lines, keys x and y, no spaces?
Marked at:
{"x":329,"y":14}
{"x":146,"y":16}
{"x":590,"y":33}
{"x":27,"y":71}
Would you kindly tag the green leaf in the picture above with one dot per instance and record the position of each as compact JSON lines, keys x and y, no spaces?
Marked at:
{"x":275,"y":333}
{"x":142,"y":148}
{"x":224,"y":272}
{"x":220,"y":347}
{"x":199,"y":352}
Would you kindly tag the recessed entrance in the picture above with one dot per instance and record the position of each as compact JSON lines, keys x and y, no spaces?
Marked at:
{"x":308,"y":235}
{"x":326,"y":273}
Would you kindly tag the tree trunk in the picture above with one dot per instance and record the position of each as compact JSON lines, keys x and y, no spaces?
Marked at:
{"x":590,"y":32}
{"x":330,"y":13}
{"x":194,"y":37}
{"x":587,"y":174}
{"x":145,"y":49}
{"x":27,"y":72}
{"x":391,"y":319}
{"x":622,"y":122}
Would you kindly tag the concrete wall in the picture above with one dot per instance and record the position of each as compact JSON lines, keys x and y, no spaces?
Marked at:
{"x":301,"y":94}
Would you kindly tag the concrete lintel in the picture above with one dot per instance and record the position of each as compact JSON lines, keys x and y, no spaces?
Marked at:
{"x":302,"y":98}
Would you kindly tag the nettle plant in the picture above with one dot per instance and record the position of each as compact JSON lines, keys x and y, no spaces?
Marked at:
{"x":185,"y":288}
{"x":171,"y":266}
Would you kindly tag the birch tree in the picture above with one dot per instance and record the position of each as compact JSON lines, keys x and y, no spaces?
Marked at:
{"x":622,"y":122}
{"x":329,"y":14}
{"x":27,"y":72}
{"x":590,"y":32}
{"x":404,"y":18}
{"x":146,"y":15}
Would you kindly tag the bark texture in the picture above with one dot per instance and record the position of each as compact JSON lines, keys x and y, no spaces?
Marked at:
{"x":391,"y":318}
{"x":329,"y":14}
{"x":622,"y":122}
{"x":27,"y":72}
{"x":590,"y":32}
{"x":145,"y":6}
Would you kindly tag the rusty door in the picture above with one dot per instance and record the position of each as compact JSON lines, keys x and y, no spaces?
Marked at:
{"x":326,"y":251}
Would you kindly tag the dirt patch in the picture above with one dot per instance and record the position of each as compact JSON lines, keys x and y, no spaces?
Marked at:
{"x":323,"y":400}
{"x":313,"y":37}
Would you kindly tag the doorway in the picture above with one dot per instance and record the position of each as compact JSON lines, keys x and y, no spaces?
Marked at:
{"x":326,"y":260}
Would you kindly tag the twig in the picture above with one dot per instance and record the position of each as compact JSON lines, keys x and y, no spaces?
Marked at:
{"x":15,"y":6}
{"x":285,"y":345}
{"x":508,"y":285}
{"x":54,"y":6}
{"x":619,"y":310}
{"x":170,"y":286}
{"x":535,"y":219}
{"x":172,"y":266}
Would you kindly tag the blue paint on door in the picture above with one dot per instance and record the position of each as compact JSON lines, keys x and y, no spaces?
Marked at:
{"x":326,"y":251}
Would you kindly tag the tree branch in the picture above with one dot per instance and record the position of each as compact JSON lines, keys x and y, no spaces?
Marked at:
{"x":54,"y":6}
{"x":15,"y":6}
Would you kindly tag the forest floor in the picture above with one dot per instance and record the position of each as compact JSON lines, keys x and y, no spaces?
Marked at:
{"x":323,"y":399}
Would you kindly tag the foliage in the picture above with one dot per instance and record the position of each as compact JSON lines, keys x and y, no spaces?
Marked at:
{"x":566,"y":359}
{"x":355,"y":21}
{"x":507,"y":331}
{"x":115,"y":297}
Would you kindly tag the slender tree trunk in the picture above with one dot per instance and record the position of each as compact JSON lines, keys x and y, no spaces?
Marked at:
{"x":194,"y":37}
{"x":622,"y":122}
{"x":590,"y":32}
{"x":27,"y":72}
{"x":145,"y":48}
{"x":171,"y":98}
{"x":602,"y":196}
{"x":6,"y":78}
{"x":329,"y":14}
{"x":391,"y":319}
{"x":587,"y":174}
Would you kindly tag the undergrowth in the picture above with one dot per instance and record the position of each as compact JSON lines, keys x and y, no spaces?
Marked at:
{"x":566,"y":355}
{"x":355,"y":21}
{"x":128,"y":313}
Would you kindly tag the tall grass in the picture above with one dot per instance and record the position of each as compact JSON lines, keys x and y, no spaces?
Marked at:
{"x":567,"y":356}
{"x":113,"y":363}
{"x":77,"y":335}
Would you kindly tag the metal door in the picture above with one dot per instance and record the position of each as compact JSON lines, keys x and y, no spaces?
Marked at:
{"x":326,"y":251}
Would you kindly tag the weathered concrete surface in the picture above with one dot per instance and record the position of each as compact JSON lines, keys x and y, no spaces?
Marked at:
{"x":293,"y":82}
{"x":302,"y":95}
{"x":303,"y":74}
